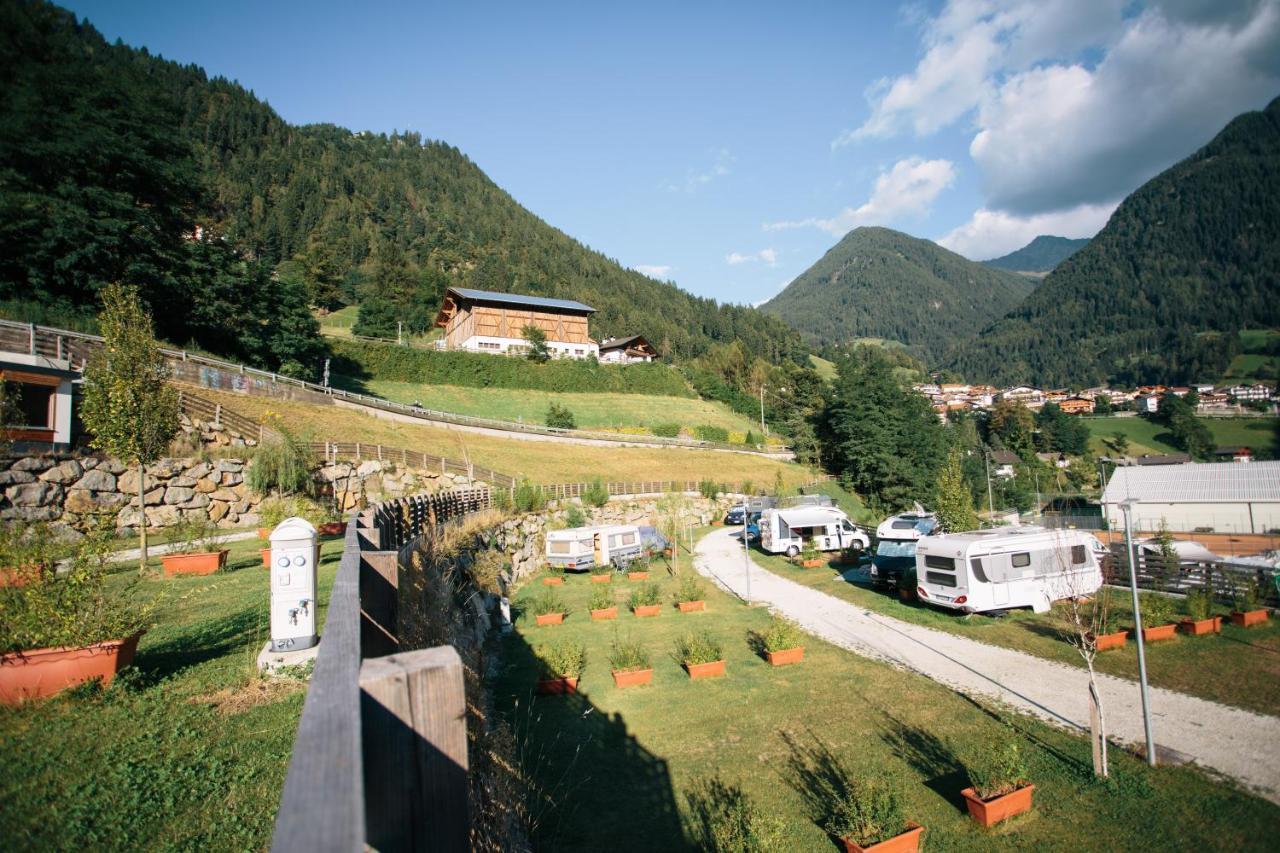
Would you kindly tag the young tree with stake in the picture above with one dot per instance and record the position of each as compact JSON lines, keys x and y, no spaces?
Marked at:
{"x":129,"y":405}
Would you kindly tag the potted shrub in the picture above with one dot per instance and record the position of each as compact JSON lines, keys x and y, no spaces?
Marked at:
{"x":689,"y":596}
{"x":1198,"y":606}
{"x":701,"y":655}
{"x":907,"y":582}
{"x":1112,"y":636}
{"x":548,"y":608}
{"x":629,"y":663}
{"x":197,"y":550}
{"x":1000,"y":787}
{"x":66,"y":629}
{"x":602,"y":606}
{"x":638,"y":576}
{"x":1247,"y":600}
{"x":867,"y":816}
{"x":554,"y":576}
{"x":1157,"y":618}
{"x":27,"y":554}
{"x":600,"y":572}
{"x":810,"y":557}
{"x":781,"y":642}
{"x":561,"y":665}
{"x":644,"y":600}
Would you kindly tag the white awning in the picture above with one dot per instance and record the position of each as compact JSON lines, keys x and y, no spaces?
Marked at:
{"x":811,"y":516}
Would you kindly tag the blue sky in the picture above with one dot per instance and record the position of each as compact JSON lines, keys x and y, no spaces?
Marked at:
{"x":726,"y":146}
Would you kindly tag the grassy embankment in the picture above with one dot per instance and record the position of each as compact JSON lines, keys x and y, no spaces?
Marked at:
{"x":1145,"y":436}
{"x":1255,"y":363}
{"x":187,"y":752}
{"x":1239,"y":667}
{"x":627,"y":769}
{"x":541,"y":461}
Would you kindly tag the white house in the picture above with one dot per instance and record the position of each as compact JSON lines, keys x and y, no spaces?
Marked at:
{"x":631,"y":350}
{"x":491,"y":322}
{"x":40,"y":393}
{"x":1222,"y":497}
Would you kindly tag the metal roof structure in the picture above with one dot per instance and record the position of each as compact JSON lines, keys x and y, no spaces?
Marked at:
{"x":1196,"y":482}
{"x":519,"y":299}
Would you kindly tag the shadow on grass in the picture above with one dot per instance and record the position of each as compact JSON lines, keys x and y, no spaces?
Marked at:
{"x":1042,"y":629}
{"x":202,"y":642}
{"x":928,"y":755}
{"x":817,"y":774}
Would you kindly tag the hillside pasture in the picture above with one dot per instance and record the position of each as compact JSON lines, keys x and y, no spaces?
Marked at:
{"x":1145,"y":436}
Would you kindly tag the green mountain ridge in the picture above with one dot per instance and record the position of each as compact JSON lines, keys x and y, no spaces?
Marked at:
{"x":880,"y":283}
{"x":1040,"y":255}
{"x":1159,"y":295}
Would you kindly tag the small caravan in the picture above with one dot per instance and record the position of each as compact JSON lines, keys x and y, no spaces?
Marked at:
{"x":1006,"y":568}
{"x":896,"y":539}
{"x":580,"y":548}
{"x":826,"y":528}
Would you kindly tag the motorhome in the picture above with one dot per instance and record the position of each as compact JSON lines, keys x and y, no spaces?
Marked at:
{"x":825,"y":528}
{"x":896,"y":539}
{"x":580,"y":548}
{"x":1006,"y":568}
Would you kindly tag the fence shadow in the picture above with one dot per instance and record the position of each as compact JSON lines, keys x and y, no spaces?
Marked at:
{"x":817,"y":774}
{"x":928,"y":755}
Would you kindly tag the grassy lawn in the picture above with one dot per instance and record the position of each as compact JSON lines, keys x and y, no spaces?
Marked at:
{"x":1238,"y":667}
{"x":590,"y":411}
{"x":1148,"y":437}
{"x":187,"y":751}
{"x":624,"y":769}
{"x":826,"y":369}
{"x":338,"y":323}
{"x":541,"y":461}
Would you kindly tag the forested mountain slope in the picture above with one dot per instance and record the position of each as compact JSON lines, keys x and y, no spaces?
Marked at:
{"x":1040,"y":255}
{"x":1186,"y":261}
{"x":879,"y":283}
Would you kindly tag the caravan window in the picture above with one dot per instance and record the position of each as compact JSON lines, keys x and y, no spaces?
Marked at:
{"x":628,"y":539}
{"x":940,"y":578}
{"x":1021,"y":561}
{"x":904,"y":524}
{"x":935,"y":562}
{"x":976,"y":564}
{"x":1079,"y":555}
{"x":559,"y":547}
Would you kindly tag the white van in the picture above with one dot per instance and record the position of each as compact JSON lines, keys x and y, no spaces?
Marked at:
{"x":826,"y":528}
{"x":896,"y":539}
{"x":583,"y":547}
{"x":1004,"y":568}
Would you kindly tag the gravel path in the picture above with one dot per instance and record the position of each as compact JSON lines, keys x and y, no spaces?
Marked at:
{"x":1236,"y":743}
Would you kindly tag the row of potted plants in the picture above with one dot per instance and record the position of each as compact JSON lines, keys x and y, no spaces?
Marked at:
{"x":598,"y":574}
{"x":1162,"y":621}
{"x":644,"y":601}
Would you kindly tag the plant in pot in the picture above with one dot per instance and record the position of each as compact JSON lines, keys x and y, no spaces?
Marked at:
{"x":689,"y":596}
{"x":781,"y":642}
{"x":868,"y":816}
{"x":999,"y":776}
{"x":27,"y":554}
{"x":548,"y":607}
{"x":644,"y":600}
{"x":701,"y":655}
{"x":561,"y":665}
{"x":629,"y":663}
{"x":810,"y":557}
{"x":554,"y":576}
{"x":602,"y":605}
{"x":197,"y":550}
{"x":641,"y":574}
{"x":1246,"y":598}
{"x":1104,"y":629}
{"x":1157,"y":618}
{"x":907,"y":582}
{"x":601,"y":572}
{"x":68,"y":629}
{"x":1198,"y":605}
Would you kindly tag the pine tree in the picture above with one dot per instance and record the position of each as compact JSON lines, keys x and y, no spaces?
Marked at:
{"x":954,"y":503}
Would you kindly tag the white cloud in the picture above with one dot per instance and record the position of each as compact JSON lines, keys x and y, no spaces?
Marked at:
{"x":769,"y":257}
{"x":908,"y":189}
{"x":992,"y":233}
{"x":695,"y":179}
{"x":658,"y":271}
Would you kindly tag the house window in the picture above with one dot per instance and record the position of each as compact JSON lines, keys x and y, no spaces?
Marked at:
{"x":31,"y":405}
{"x":490,"y":345}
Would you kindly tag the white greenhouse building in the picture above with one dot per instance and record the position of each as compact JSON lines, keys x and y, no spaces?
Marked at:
{"x":1217,"y":497}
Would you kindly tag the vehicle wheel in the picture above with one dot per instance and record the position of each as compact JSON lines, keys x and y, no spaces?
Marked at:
{"x":793,"y":551}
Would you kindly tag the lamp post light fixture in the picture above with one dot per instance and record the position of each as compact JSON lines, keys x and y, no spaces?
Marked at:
{"x":1126,"y":506}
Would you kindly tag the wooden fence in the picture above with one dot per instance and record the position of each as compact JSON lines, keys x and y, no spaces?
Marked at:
{"x":218,"y":416}
{"x":1222,"y":578}
{"x":380,"y":757}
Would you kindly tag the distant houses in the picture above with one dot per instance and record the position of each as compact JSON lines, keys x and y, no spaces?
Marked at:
{"x":954,"y":397}
{"x":632,"y":350}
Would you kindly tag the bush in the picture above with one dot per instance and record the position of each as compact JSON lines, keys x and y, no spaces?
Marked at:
{"x":29,"y":549}
{"x":546,"y":602}
{"x":274,"y":510}
{"x":690,"y":589}
{"x":999,"y":767}
{"x":665,"y":430}
{"x":1198,"y":604}
{"x":628,"y":656}
{"x":601,"y":598}
{"x":1157,"y":610}
{"x":281,"y":465}
{"x":780,"y":635}
{"x":645,"y":595}
{"x":698,"y":647}
{"x":707,"y":432}
{"x":190,"y":536}
{"x":1245,"y":594}
{"x":750,"y":439}
{"x":709,"y":489}
{"x":527,"y":497}
{"x":729,"y":821}
{"x":866,"y":812}
{"x":563,"y":660}
{"x":596,"y":493}
{"x":559,"y":417}
{"x":573,"y":516}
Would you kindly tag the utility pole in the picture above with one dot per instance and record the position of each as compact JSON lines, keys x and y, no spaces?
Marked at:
{"x":746,"y":557}
{"x":1126,"y":506}
{"x":1037,"y":476}
{"x":991,"y":504}
{"x":764,"y":429}
{"x":326,"y":373}
{"x":399,"y":332}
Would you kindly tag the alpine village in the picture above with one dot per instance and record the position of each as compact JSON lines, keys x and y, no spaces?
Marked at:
{"x":347,"y":503}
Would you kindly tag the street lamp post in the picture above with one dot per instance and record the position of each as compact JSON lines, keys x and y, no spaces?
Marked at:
{"x":746,"y":557}
{"x":764,"y":429}
{"x":991,"y":504}
{"x":1126,"y":506}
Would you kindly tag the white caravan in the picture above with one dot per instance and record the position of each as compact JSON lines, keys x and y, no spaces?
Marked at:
{"x":896,"y":539}
{"x":1004,"y":568}
{"x":584,"y":547}
{"x":826,"y":528}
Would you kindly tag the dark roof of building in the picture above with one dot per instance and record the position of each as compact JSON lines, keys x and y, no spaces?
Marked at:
{"x":1231,"y":450}
{"x":1005,"y":457}
{"x":519,"y":299}
{"x":1169,"y":459}
{"x":617,"y":343}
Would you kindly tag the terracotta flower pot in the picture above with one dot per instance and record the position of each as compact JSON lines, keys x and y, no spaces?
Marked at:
{"x":553,"y":581}
{"x":600,"y":578}
{"x":692,"y":606}
{"x":632,"y":677}
{"x":1160,"y":632}
{"x":36,"y":673}
{"x":906,"y":842}
{"x":1114,"y":640}
{"x":1196,"y":627}
{"x":637,"y":576}
{"x":551,"y":619}
{"x":604,"y":614}
{"x":1248,"y":618}
{"x":557,"y":686}
{"x":717,"y":524}
{"x":331,"y":528}
{"x":266,"y":558}
{"x":992,"y":811}
{"x":194,"y":564}
{"x":647,"y":610}
{"x":714,"y":669}
{"x":21,"y":576}
{"x":264,"y":532}
{"x":785,"y":656}
{"x":812,"y":564}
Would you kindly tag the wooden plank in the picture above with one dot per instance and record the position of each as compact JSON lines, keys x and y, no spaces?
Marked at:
{"x":379,"y":603}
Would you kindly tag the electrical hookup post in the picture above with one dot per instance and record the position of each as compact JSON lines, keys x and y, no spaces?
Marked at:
{"x":295,"y":556}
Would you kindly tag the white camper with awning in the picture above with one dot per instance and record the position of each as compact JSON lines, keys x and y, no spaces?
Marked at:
{"x":825,"y":528}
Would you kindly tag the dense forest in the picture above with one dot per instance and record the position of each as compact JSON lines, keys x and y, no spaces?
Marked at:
{"x":1186,"y":261}
{"x":879,"y":283}
{"x":1040,"y":255}
{"x":118,"y":165}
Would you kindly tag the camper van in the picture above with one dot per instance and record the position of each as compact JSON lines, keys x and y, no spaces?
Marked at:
{"x":896,"y":539}
{"x":1006,"y":568}
{"x":826,"y":528}
{"x":580,"y":548}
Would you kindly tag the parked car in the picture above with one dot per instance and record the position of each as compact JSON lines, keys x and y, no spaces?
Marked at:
{"x":735,"y":516}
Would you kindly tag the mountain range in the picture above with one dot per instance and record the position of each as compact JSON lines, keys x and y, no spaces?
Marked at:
{"x":1040,"y":255}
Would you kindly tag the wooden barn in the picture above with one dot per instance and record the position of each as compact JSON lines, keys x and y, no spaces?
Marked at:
{"x":487,"y":321}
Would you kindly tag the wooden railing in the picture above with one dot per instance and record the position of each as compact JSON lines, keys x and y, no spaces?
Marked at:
{"x":219,"y":416}
{"x":334,"y":451}
{"x":1223,"y":579}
